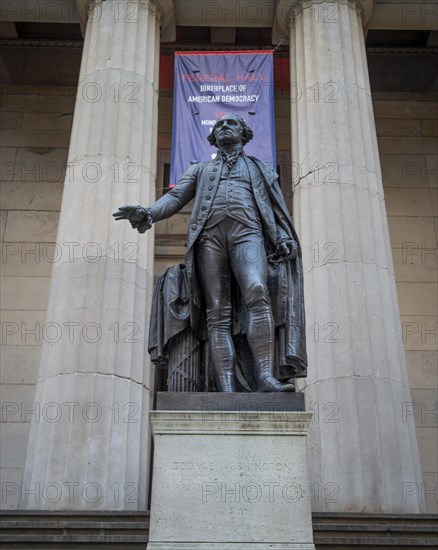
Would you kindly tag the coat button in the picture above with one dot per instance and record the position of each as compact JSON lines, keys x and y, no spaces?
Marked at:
{"x":214,"y":169}
{"x":212,"y":178}
{"x":208,"y":197}
{"x":199,"y":218}
{"x":203,"y":208}
{"x":210,"y":187}
{"x":193,"y":226}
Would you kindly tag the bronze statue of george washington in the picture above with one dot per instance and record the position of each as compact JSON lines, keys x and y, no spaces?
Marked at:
{"x":243,"y":261}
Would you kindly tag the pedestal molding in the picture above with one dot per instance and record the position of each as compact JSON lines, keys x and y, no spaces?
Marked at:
{"x":230,"y":422}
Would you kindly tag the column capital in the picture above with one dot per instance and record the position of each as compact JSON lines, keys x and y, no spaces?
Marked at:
{"x":166,"y":12}
{"x":288,"y":11}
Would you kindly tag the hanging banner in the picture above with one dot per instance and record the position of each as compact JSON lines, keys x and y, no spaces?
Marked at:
{"x":209,"y":85}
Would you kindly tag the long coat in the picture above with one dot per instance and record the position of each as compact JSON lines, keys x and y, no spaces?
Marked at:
{"x":285,"y":281}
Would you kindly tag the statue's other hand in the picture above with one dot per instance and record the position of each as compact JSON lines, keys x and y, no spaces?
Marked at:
{"x":292,"y":249}
{"x":286,"y":250}
{"x":139,"y":217}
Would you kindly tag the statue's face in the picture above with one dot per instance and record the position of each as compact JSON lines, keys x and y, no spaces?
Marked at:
{"x":228,"y":130}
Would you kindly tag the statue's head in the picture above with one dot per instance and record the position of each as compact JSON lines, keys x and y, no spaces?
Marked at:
{"x":230,"y":129}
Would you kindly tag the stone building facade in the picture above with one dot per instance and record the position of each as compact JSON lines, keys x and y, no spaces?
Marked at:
{"x":86,"y":126}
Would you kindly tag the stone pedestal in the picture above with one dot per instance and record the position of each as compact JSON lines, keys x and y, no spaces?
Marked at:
{"x":230,"y":480}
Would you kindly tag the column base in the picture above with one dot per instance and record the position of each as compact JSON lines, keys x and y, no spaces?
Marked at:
{"x":223,"y":481}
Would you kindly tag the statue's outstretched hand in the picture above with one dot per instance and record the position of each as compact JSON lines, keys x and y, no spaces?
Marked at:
{"x":139,"y":217}
{"x":287,"y":249}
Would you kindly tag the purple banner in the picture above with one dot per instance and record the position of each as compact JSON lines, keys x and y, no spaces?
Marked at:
{"x":211,"y":84}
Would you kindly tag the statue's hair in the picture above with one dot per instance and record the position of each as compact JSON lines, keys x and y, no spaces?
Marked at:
{"x":247,"y":133}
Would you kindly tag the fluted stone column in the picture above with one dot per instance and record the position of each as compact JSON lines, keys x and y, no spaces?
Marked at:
{"x":363,"y":453}
{"x":89,"y":447}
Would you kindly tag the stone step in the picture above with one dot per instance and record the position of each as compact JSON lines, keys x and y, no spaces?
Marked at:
{"x":374,"y":519}
{"x":74,"y":530}
{"x":129,"y":530}
{"x":61,"y":525}
{"x":374,"y":531}
{"x":373,"y":543}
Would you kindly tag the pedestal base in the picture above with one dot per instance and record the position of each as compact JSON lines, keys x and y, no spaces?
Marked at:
{"x":224,"y":481}
{"x":229,"y":546}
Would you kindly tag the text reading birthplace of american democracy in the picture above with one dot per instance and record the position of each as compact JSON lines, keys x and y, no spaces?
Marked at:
{"x":223,"y":98}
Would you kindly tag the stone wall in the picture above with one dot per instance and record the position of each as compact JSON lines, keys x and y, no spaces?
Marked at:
{"x":407,"y":129}
{"x":35,"y":133}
